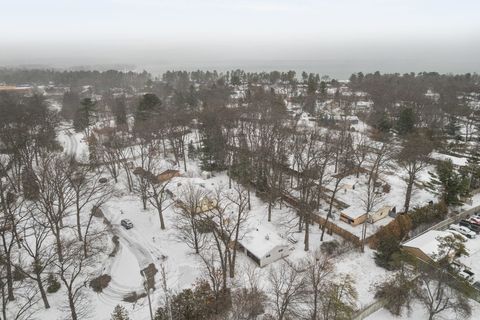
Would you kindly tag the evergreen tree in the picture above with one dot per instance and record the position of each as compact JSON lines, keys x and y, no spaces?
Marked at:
{"x":192,"y":152}
{"x":451,"y":184}
{"x":84,"y":115}
{"x":148,"y":107}
{"x":120,"y":313}
{"x":70,"y":104}
{"x":312,"y":84}
{"x":406,"y":121}
{"x":452,"y":127}
{"x":92,"y":150}
{"x":120,"y":111}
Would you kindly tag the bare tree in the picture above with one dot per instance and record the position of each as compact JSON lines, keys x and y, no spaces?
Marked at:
{"x":439,"y":290}
{"x":148,"y":151}
{"x":249,"y":302}
{"x":318,"y":269}
{"x":40,"y":254}
{"x":343,"y":168}
{"x":308,"y":157}
{"x":12,"y":213}
{"x":339,"y":299}
{"x":372,"y":197}
{"x":88,"y":190}
{"x":360,"y":151}
{"x":240,"y":201}
{"x":26,"y":303}
{"x":188,"y":223}
{"x":56,"y":195}
{"x":413,"y":158}
{"x":215,"y":276}
{"x":287,"y":291}
{"x":158,"y":197}
{"x":72,"y":271}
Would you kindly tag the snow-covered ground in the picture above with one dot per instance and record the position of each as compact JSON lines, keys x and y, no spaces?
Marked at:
{"x":419,"y":312}
{"x":146,"y":243}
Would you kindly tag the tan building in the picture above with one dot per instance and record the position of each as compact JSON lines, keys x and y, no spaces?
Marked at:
{"x":353,"y":215}
{"x":425,"y":246}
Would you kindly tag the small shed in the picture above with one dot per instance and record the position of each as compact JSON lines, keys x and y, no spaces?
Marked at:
{"x":263,"y":246}
{"x":381,"y":213}
{"x":353,"y":215}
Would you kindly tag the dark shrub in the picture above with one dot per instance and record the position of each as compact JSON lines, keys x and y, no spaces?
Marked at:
{"x":100,"y":283}
{"x":53,"y":284}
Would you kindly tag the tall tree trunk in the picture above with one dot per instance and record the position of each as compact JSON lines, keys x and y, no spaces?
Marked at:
{"x":270,"y":210}
{"x":160,"y":215}
{"x":307,"y":232}
{"x":71,"y":304}
{"x":42,"y":290}
{"x":408,"y":194}
{"x":79,"y":228}
{"x":58,"y":243}
{"x":11,"y":296}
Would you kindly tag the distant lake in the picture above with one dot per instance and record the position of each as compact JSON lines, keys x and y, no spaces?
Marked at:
{"x":335,"y":68}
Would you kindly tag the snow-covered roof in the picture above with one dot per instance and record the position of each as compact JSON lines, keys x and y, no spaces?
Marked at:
{"x":427,"y":242}
{"x":260,"y":240}
{"x":458,"y":161}
{"x":364,"y":103}
{"x":354,"y":212}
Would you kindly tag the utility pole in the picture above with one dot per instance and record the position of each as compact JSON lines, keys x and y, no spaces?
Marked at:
{"x":147,"y":289}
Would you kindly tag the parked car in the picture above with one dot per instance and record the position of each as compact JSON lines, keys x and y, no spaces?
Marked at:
{"x":476,"y":285}
{"x":467,"y":275}
{"x":474,"y":220}
{"x":463,"y":230}
{"x":474,"y":227}
{"x":127,"y":224}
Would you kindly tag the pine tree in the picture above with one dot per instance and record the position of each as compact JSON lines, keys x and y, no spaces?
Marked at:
{"x":84,"y":115}
{"x":451,"y":184}
{"x":93,"y":150}
{"x":452,"y":127}
{"x":119,"y":313}
{"x":192,"y":152}
{"x":406,"y":121}
{"x":120,"y":111}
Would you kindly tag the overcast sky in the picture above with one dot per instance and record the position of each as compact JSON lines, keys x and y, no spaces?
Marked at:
{"x":390,"y":35}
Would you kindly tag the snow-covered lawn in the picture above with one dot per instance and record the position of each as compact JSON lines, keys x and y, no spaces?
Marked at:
{"x":146,"y":243}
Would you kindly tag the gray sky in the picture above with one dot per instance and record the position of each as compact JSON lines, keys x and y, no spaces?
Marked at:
{"x":324,"y":36}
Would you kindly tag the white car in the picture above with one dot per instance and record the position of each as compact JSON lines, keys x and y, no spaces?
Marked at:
{"x":467,"y":274}
{"x":463,"y":230}
{"x":127,"y":224}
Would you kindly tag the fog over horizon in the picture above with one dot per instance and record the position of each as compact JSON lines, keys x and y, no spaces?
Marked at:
{"x":330,"y":38}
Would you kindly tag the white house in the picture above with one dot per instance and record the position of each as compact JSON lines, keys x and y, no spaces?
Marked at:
{"x":264,"y":246}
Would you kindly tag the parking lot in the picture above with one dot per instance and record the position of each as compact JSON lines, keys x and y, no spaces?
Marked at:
{"x":471,"y":262}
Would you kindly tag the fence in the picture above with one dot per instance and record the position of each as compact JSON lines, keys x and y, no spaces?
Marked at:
{"x":330,"y":226}
{"x":368,"y":310}
{"x":333,"y":228}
